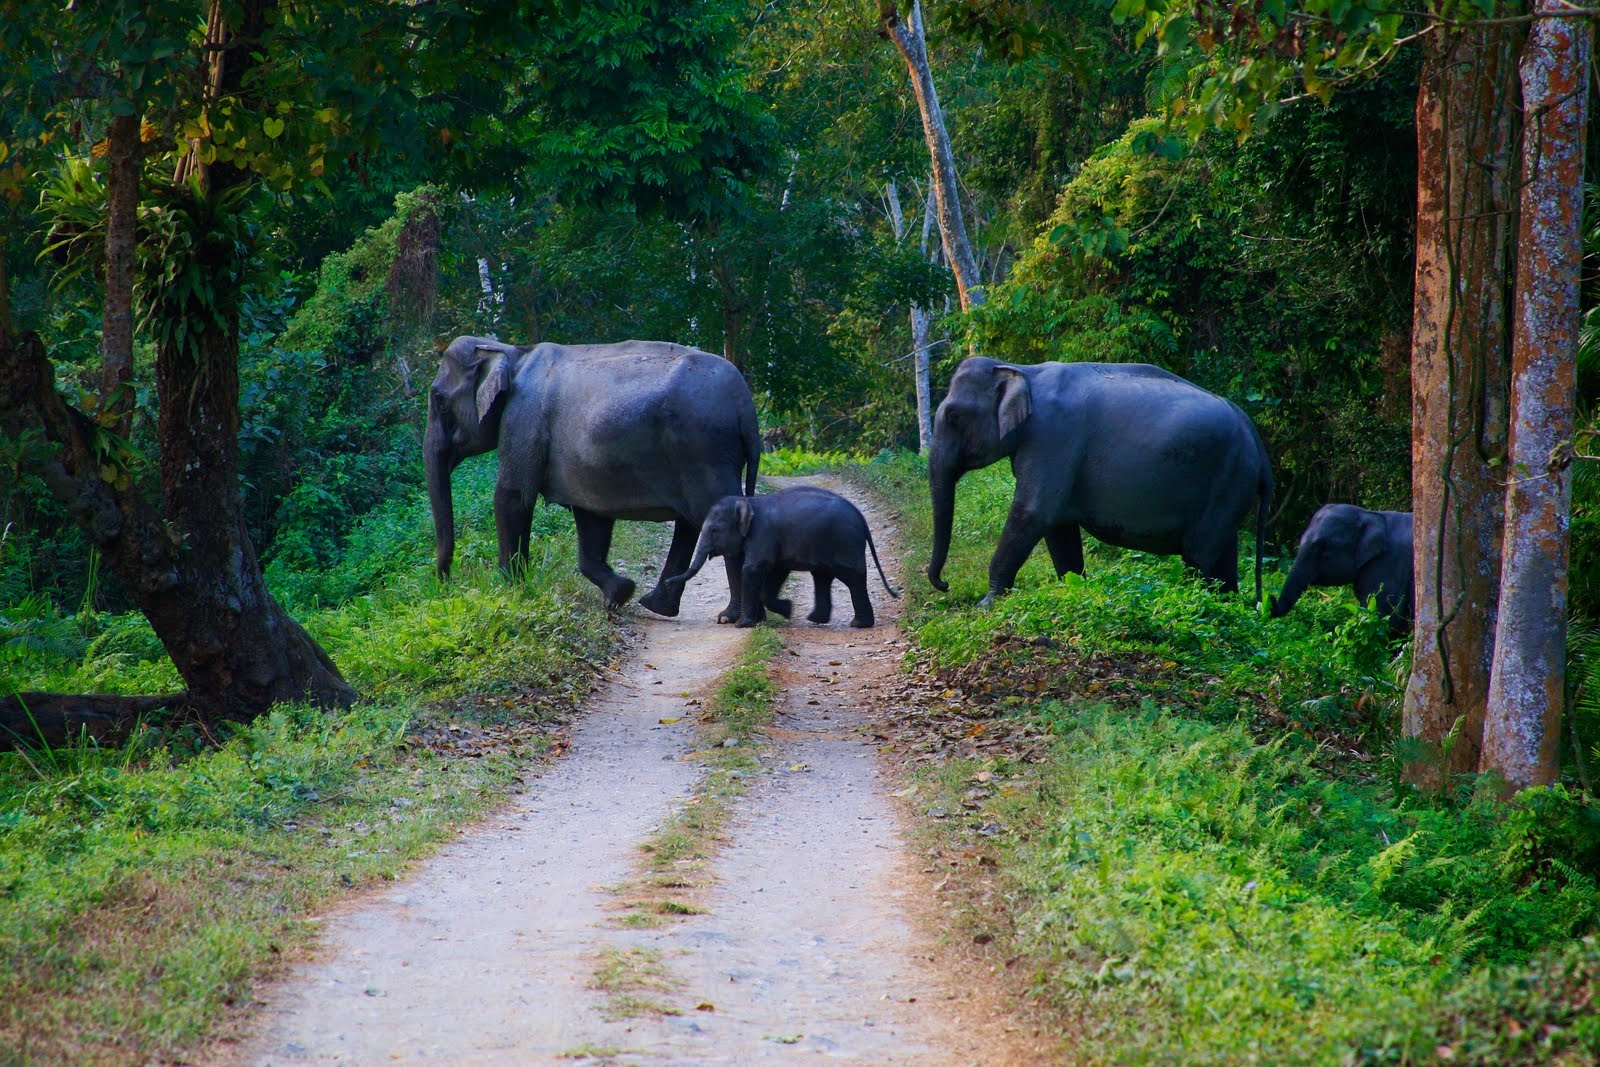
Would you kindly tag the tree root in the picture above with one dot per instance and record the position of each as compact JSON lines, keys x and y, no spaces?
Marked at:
{"x":61,"y":718}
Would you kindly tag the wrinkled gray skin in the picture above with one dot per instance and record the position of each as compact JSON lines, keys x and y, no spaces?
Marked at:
{"x":799,"y":529}
{"x":1138,"y":457}
{"x":1370,"y":550}
{"x":633,"y":430}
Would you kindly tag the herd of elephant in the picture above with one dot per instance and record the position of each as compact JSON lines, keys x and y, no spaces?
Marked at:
{"x":647,"y":430}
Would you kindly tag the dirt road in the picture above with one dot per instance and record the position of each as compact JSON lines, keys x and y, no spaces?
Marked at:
{"x":488,"y":954}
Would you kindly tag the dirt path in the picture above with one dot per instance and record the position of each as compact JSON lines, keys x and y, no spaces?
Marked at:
{"x":488,"y":953}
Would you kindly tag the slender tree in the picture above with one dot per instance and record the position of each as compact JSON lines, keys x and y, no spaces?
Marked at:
{"x":909,"y":38}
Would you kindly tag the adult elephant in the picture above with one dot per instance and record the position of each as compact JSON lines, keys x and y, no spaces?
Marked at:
{"x":1139,"y":457}
{"x":1370,"y":550}
{"x":633,"y":430}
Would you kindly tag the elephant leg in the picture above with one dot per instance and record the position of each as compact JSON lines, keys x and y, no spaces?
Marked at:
{"x":594,"y":544}
{"x":733,"y":564}
{"x":513,"y":524}
{"x":769,"y":596}
{"x":665,"y":598}
{"x":752,"y":581}
{"x":1066,"y":548}
{"x":1211,"y":547}
{"x":821,"y":596}
{"x":1021,"y":535}
{"x":856,"y":582}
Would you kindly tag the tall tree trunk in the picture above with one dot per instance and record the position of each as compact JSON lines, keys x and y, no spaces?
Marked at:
{"x":239,"y":652}
{"x":919,"y":321}
{"x":122,"y":208}
{"x":1522,"y":726}
{"x":1465,"y":102}
{"x":908,"y":37}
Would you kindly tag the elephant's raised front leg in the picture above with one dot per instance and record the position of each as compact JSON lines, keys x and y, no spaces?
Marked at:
{"x":665,"y":598}
{"x":594,"y":545}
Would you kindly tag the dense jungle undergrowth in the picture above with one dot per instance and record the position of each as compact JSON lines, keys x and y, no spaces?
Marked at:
{"x":1220,"y":862}
{"x":144,"y":887}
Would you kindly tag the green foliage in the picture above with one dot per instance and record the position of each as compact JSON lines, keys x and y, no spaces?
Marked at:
{"x":640,"y":101}
{"x":785,"y":462}
{"x":1221,"y":864}
{"x":328,"y":430}
{"x":1235,"y":64}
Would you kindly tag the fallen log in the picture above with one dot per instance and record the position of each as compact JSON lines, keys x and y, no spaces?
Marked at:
{"x":48,"y":719}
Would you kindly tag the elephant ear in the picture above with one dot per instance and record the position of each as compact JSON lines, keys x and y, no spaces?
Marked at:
{"x":1374,"y":540}
{"x":494,"y":379}
{"x":745,"y":514}
{"x":1014,"y":400}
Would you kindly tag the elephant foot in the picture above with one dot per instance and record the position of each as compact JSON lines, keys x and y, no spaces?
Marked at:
{"x":620,"y":593}
{"x":987,"y":602}
{"x":728,"y":614}
{"x":862,"y":622}
{"x":781,"y":606}
{"x":820,"y":617}
{"x":661,"y":602}
{"x":745,"y":624}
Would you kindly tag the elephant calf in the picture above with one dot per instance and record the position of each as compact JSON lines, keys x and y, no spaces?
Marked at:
{"x":1347,"y":545}
{"x":800,"y":529}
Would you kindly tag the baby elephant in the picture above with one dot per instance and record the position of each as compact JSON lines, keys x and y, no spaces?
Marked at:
{"x":1347,"y":545}
{"x":799,"y":529}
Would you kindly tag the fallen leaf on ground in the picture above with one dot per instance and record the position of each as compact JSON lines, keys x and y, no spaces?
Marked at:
{"x":670,"y":720}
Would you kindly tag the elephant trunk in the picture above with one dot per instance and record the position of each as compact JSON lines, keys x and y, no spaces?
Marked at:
{"x":438,"y":464}
{"x":1299,"y":578}
{"x":942,"y":478}
{"x":702,"y":552}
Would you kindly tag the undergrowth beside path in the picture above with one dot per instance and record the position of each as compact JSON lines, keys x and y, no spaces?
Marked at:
{"x":143,"y":889}
{"x":1217,"y":861}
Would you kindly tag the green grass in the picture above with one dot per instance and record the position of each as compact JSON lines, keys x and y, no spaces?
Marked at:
{"x":1219,"y":863}
{"x":143,"y":888}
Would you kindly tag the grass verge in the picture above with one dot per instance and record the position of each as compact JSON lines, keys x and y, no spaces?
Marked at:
{"x":144,"y":889}
{"x":1210,"y":856}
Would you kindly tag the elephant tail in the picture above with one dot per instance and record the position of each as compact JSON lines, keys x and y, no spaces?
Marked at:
{"x":1263,"y":508}
{"x":879,"y":564}
{"x":752,"y":453}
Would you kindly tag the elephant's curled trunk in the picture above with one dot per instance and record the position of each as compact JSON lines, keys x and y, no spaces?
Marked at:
{"x":942,"y":489}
